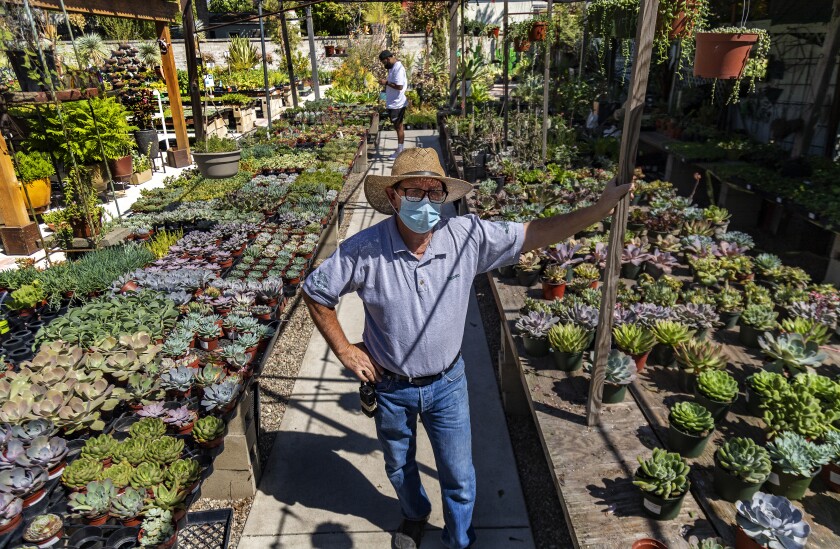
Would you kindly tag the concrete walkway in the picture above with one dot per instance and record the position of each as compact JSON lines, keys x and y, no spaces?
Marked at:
{"x":325,"y":484}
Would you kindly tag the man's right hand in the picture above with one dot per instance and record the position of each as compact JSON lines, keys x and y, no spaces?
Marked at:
{"x":356,"y":358}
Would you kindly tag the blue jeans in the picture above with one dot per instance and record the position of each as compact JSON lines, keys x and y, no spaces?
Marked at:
{"x":443,"y":407}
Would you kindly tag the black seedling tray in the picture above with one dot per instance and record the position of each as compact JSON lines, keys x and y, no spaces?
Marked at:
{"x":206,"y":530}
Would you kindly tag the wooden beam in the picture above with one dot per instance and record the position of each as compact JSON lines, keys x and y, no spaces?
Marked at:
{"x":167,"y":63}
{"x":192,"y":72}
{"x":12,"y":205}
{"x":546,"y":76}
{"x":148,"y":10}
{"x":505,"y":75}
{"x":633,"y":108}
{"x":813,"y":108}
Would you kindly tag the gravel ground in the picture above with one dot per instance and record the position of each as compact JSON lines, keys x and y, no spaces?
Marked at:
{"x":278,"y":380}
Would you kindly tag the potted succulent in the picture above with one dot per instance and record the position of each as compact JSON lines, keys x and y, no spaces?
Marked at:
{"x":145,"y":476}
{"x":209,"y":431}
{"x":492,"y":30}
{"x":157,"y":529}
{"x":217,"y":158}
{"x":767,"y":266}
{"x":539,"y":28}
{"x":49,"y":453}
{"x":80,"y":472}
{"x":528,"y":268}
{"x":755,"y":320}
{"x":119,"y":473}
{"x":690,"y":425}
{"x":93,"y":504}
{"x":633,"y":260}
{"x":178,"y":381}
{"x":741,"y":467}
{"x":831,"y":471}
{"x":716,"y":390}
{"x":663,"y":480}
{"x":668,"y":334}
{"x":635,"y":340}
{"x":180,"y":420}
{"x":568,"y":342}
{"x":799,"y":410}
{"x":128,"y":506}
{"x":764,"y":386}
{"x":27,"y":483}
{"x":534,"y":328}
{"x":766,"y":521}
{"x":34,"y":171}
{"x":131,"y":450}
{"x":185,"y":472}
{"x":208,"y":333}
{"x":620,"y":372}
{"x":220,"y":397}
{"x":730,"y":305}
{"x":519,"y":34}
{"x":795,"y":462}
{"x":588,"y":273}
{"x":695,"y":356}
{"x":100,"y":448}
{"x":554,"y":282}
{"x":790,"y":352}
{"x":11,"y":511}
{"x":148,"y":428}
{"x":718,"y":217}
{"x":44,"y":530}
{"x":659,"y":263}
{"x":565,"y":255}
{"x":164,"y":450}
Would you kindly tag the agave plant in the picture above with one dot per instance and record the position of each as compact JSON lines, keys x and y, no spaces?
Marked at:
{"x":536,"y":324}
{"x":665,"y":474}
{"x":791,"y":351}
{"x":745,"y":459}
{"x":772,"y":521}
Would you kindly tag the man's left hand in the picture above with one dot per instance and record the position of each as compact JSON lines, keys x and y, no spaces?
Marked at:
{"x":613,"y":192}
{"x":382,"y":81}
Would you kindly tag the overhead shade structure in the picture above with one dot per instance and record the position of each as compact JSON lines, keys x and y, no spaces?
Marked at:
{"x":148,"y":10}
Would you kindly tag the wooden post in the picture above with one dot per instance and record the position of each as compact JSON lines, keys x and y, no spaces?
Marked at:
{"x":505,"y":75}
{"x":463,"y":26}
{"x":313,"y":57}
{"x":812,"y":110}
{"x":453,"y":49}
{"x":192,"y":70}
{"x":546,"y":76}
{"x":833,"y":120}
{"x":284,"y":31}
{"x":633,"y":109}
{"x":167,"y":62}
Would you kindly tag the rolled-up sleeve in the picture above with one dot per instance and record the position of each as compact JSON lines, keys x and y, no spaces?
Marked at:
{"x":499,"y":243}
{"x":335,"y":277}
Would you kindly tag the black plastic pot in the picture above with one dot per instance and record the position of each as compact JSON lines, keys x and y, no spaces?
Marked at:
{"x":567,"y":362}
{"x":535,"y":347}
{"x":792,"y":487}
{"x":661,"y":508}
{"x":507,"y":271}
{"x":124,"y":538}
{"x":89,"y":537}
{"x":14,"y":343}
{"x":730,"y":320}
{"x":717,"y":409}
{"x":687,"y":445}
{"x":613,"y":393}
{"x":732,"y":488}
{"x":654,"y":271}
{"x":147,"y":142}
{"x":749,"y":336}
{"x":630,"y":271}
{"x":19,"y":355}
{"x":527,"y":278}
{"x":753,"y":402}
{"x":686,"y":381}
{"x":663,"y":355}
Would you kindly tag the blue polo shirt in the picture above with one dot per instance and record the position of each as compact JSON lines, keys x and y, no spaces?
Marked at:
{"x":415,"y":309}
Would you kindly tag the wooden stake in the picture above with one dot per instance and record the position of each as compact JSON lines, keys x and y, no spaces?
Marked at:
{"x":633,"y":109}
{"x":167,"y":63}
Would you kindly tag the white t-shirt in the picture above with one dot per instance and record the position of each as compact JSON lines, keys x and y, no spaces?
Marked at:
{"x":395,"y":99}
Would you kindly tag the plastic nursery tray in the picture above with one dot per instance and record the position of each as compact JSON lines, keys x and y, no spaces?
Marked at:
{"x":206,"y":530}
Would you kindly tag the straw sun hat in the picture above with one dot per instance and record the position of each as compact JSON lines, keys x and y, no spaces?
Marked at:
{"x":412,"y":163}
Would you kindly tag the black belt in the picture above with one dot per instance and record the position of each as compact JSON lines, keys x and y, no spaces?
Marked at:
{"x":425,"y":380}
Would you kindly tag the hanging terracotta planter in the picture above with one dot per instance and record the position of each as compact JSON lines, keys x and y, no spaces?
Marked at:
{"x":538,"y":31}
{"x":722,"y":55}
{"x":683,"y":23}
{"x":521,"y":45}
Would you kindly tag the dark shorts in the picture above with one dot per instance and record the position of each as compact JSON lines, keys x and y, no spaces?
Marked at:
{"x":396,"y":116}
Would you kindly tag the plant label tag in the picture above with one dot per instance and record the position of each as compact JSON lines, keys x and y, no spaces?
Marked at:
{"x":779,"y":199}
{"x":833,"y":477}
{"x":747,"y":396}
{"x":749,"y":187}
{"x":652,"y":507}
{"x":773,"y":478}
{"x":811,"y":216}
{"x":204,"y":344}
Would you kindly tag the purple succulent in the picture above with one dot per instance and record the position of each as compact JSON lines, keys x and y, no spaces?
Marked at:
{"x":634,"y":254}
{"x":536,"y":324}
{"x":563,"y":254}
{"x":698,"y":246}
{"x":599,"y":255}
{"x":34,"y":428}
{"x":648,"y":314}
{"x":729,"y":249}
{"x":623,"y":315}
{"x":15,"y":450}
{"x":10,"y":507}
{"x":23,"y":481}
{"x":697,"y":316}
{"x":44,"y":452}
{"x":154,"y":410}
{"x":179,"y":417}
{"x":663,"y":260}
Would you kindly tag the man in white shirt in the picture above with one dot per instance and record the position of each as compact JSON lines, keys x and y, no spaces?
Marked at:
{"x":395,"y":100}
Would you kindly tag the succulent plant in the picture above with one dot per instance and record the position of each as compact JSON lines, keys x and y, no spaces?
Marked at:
{"x":832,"y":440}
{"x":769,"y":385}
{"x":157,"y":527}
{"x":99,"y":448}
{"x":23,"y":481}
{"x":146,"y":475}
{"x":568,"y":338}
{"x":691,"y":418}
{"x":796,"y":410}
{"x":587,"y":271}
{"x":621,"y":369}
{"x":766,"y":264}
{"x":209,"y":375}
{"x":178,"y":379}
{"x":119,"y":473}
{"x":791,"y":351}
{"x":44,"y":452}
{"x":148,"y":428}
{"x":760,"y":317}
{"x":633,"y":339}
{"x":142,"y":387}
{"x":183,"y":471}
{"x":633,"y":254}
{"x":153,"y":409}
{"x":794,"y":455}
{"x":132,"y":450}
{"x":208,"y":429}
{"x":809,"y":329}
{"x":180,"y":417}
{"x":14,"y":454}
{"x":729,"y":300}
{"x":10,"y":507}
{"x":564,"y":254}
{"x":30,"y":430}
{"x":717,"y":385}
{"x":42,"y":528}
{"x":648,"y":314}
{"x":697,"y":316}
{"x":745,"y":459}
{"x":81,"y":471}
{"x":554,"y":274}
{"x":580,"y":314}
{"x":536,"y":324}
{"x":169,"y":498}
{"x":220,"y":395}
{"x":671,"y":332}
{"x":772,"y":521}
{"x":164,"y":450}
{"x":96,"y":501}
{"x":129,"y":504}
{"x":696,"y":356}
{"x":665,"y":474}
{"x":528,"y":262}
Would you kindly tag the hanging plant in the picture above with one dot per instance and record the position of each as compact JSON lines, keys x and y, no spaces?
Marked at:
{"x":679,"y":20}
{"x":539,"y":28}
{"x":519,"y":35}
{"x":614,"y":19}
{"x":732,"y":53}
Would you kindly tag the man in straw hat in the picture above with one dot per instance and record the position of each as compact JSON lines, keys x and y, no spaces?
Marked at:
{"x":414,"y":272}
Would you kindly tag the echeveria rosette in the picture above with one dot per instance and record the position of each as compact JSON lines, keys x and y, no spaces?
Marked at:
{"x":536,"y":324}
{"x":772,"y":521}
{"x":795,"y":455}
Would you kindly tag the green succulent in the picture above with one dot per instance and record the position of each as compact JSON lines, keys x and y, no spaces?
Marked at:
{"x":132,"y":450}
{"x":183,"y":471}
{"x":791,"y":351}
{"x":99,"y":448}
{"x":696,"y":356}
{"x":208,"y":429}
{"x":129,"y":504}
{"x":745,"y":459}
{"x":665,"y":474}
{"x":691,"y":418}
{"x":717,"y":385}
{"x":148,"y":428}
{"x":119,"y":474}
{"x":164,"y":450}
{"x":729,"y":300}
{"x":157,"y":526}
{"x":621,"y":369}
{"x":767,"y":264}
{"x":209,"y":375}
{"x":793,"y":454}
{"x":671,"y":333}
{"x":768,"y":385}
{"x":759,"y":317}
{"x":568,"y":338}
{"x":633,"y":339}
{"x":796,"y":410}
{"x":710,"y":543}
{"x":95,"y":501}
{"x":168,"y":499}
{"x":80,"y":472}
{"x":809,"y":329}
{"x":146,"y":475}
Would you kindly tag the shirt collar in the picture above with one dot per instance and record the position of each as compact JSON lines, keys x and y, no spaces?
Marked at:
{"x":398,"y":245}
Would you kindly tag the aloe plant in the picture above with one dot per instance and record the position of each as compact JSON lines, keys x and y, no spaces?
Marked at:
{"x":633,"y":339}
{"x":80,"y":472}
{"x":745,"y":459}
{"x":665,"y":474}
{"x":691,"y":418}
{"x":670,"y":332}
{"x":96,"y":501}
{"x":772,"y":521}
{"x":717,"y":385}
{"x":696,"y":356}
{"x":794,"y":455}
{"x":208,"y":429}
{"x":568,"y":338}
{"x":791,"y":351}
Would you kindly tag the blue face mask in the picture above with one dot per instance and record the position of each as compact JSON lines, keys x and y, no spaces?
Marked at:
{"x":420,"y":217}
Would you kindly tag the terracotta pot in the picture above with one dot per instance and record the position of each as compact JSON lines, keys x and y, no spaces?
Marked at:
{"x":538,"y":31}
{"x":743,"y":541}
{"x":11,"y":525}
{"x":329,"y":50}
{"x":121,"y":168}
{"x":494,"y":32}
{"x":641,"y":361}
{"x":33,"y":498}
{"x":131,"y":522}
{"x":721,"y":55}
{"x":830,"y":475}
{"x":552,"y":291}
{"x":521,"y":45}
{"x":215,"y":443}
{"x":648,"y":543}
{"x":209,"y":344}
{"x":96,"y":521}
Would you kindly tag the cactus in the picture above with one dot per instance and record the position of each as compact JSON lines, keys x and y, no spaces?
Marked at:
{"x":96,"y":501}
{"x":146,"y":475}
{"x":80,"y":472}
{"x":568,"y":338}
{"x":132,"y":450}
{"x":697,"y":356}
{"x":717,"y":385}
{"x":208,"y":429}
{"x":665,"y":474}
{"x":772,"y":521}
{"x":691,"y":418}
{"x":129,"y":504}
{"x":165,"y":450}
{"x":745,"y":459}
{"x":119,"y":473}
{"x":99,"y":448}
{"x":148,"y":428}
{"x":794,"y":455}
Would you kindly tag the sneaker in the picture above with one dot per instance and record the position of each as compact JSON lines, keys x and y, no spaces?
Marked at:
{"x":394,"y":155}
{"x":409,"y":534}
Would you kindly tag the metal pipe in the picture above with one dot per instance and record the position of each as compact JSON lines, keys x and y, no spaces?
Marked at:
{"x":284,"y":31}
{"x":313,"y":59}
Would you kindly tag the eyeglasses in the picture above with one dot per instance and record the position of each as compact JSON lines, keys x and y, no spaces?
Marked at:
{"x":413,"y":194}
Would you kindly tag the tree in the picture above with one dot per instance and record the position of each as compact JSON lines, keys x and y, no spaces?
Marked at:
{"x":334,"y":17}
{"x":231,"y":6}
{"x":422,"y":16}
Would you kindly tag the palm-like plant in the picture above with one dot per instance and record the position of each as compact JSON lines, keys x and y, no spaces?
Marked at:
{"x":91,"y":49}
{"x":148,"y":53}
{"x":242,"y":55}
